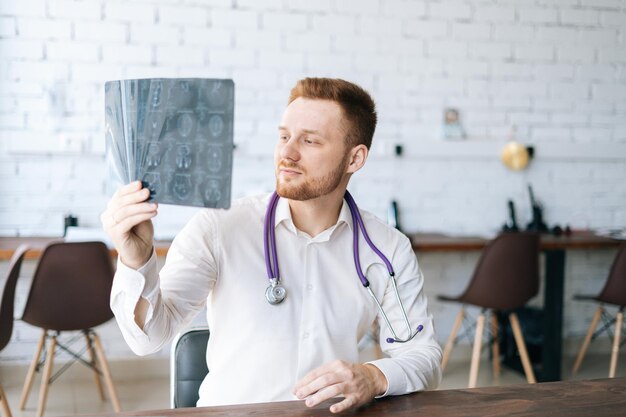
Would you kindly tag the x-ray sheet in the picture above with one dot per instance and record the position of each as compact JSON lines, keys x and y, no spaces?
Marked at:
{"x":175,"y":135}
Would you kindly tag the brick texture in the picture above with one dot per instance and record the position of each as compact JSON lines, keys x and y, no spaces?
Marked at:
{"x":552,"y":70}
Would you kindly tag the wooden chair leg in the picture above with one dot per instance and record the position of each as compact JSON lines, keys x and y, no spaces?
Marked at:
{"x":450,"y":343}
{"x":495,"y":347}
{"x":45,"y":377}
{"x":478,"y":340}
{"x":521,"y":347}
{"x":619,"y":321}
{"x":96,"y":368}
{"x":28,"y":384}
{"x":583,"y":348}
{"x":4,"y":404}
{"x":104,"y":366}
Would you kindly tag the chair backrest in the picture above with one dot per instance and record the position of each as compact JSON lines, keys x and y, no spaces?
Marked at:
{"x":8,"y":295}
{"x":507,"y":274}
{"x":71,"y":287}
{"x":614,"y":291}
{"x":188,"y":367}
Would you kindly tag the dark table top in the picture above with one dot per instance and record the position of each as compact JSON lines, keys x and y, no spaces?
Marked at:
{"x":593,"y":398}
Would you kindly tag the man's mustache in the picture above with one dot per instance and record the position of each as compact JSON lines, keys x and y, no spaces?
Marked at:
{"x":290,"y":165}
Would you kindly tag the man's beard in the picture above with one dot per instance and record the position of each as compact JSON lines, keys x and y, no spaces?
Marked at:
{"x":311,"y":189}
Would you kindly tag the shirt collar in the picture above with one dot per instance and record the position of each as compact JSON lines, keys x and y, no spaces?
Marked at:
{"x":283,"y":214}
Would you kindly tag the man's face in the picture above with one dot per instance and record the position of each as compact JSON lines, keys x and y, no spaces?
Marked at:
{"x":311,"y":155}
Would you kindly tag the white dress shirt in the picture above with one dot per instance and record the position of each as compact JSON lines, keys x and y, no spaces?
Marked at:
{"x":257,"y":351}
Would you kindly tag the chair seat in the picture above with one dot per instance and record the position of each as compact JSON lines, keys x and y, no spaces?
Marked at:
{"x":443,"y":297}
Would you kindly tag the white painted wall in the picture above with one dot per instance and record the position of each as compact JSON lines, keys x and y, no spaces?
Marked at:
{"x":555,"y":69}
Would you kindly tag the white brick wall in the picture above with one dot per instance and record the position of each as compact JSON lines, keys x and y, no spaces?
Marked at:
{"x":157,"y":34}
{"x":23,"y":8}
{"x":74,"y":9}
{"x":184,"y":16}
{"x":554,"y":69}
{"x":100,"y":32}
{"x":129,"y":12}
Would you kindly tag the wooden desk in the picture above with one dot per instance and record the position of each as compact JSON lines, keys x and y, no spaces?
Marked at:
{"x":435,"y":242}
{"x":597,"y":398}
{"x":38,"y":244}
{"x":554,"y":249}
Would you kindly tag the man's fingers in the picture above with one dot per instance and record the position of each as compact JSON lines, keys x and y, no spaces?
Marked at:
{"x":128,"y":211}
{"x":324,"y":394}
{"x":132,"y":221}
{"x":134,"y":197}
{"x":347,"y":403}
{"x":114,"y":219}
{"x":316,"y":373}
{"x":325,"y":380}
{"x":128,"y":188}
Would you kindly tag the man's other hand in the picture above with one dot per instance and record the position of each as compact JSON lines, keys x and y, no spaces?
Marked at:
{"x":357,"y":383}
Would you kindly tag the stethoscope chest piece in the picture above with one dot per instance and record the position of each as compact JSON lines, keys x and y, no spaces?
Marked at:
{"x":275,"y":293}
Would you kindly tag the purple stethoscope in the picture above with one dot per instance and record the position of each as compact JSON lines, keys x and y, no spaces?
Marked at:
{"x":276,"y":293}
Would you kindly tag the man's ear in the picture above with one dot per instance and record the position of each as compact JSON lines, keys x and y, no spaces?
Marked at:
{"x":358,"y":156}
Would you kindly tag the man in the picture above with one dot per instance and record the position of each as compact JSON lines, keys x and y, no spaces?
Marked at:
{"x":306,"y":346}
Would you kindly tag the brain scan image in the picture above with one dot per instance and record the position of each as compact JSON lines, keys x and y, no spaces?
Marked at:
{"x":183,"y":157}
{"x":216,"y":125}
{"x":182,"y":186}
{"x":154,"y":155}
{"x":213,"y":192}
{"x":175,"y":135}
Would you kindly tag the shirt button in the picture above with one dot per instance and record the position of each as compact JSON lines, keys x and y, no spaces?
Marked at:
{"x":305,"y":335}
{"x":309,"y":287}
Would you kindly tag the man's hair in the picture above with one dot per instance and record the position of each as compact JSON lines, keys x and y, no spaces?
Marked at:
{"x":357,"y":105}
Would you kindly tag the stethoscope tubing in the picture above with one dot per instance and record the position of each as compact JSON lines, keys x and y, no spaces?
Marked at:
{"x":356,"y":215}
{"x":270,"y":239}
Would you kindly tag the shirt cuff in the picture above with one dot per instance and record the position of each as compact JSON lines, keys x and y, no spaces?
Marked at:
{"x":130,"y":284}
{"x":394,"y":374}
{"x":150,"y":274}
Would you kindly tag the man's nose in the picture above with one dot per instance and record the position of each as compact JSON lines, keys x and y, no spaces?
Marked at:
{"x":290,"y":150}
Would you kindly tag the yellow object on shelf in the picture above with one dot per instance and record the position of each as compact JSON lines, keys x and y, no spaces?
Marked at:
{"x":515,"y":156}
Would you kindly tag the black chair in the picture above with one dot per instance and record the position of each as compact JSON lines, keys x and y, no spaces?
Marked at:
{"x":7,"y":307}
{"x":188,"y":366}
{"x":506,"y":277}
{"x":70,"y":292}
{"x":614,"y":293}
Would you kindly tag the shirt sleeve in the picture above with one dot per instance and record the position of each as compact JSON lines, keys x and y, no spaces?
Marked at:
{"x":175,"y":294}
{"x":414,"y":365}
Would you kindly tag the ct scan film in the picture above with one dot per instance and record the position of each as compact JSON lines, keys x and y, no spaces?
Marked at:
{"x":173,"y":134}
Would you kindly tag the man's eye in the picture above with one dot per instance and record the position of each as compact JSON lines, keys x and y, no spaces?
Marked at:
{"x":283,"y":138}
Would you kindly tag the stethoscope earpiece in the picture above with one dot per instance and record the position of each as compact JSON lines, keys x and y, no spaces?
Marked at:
{"x":392,"y":340}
